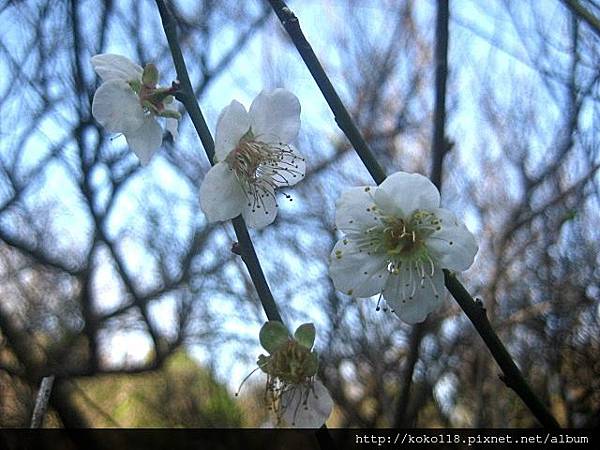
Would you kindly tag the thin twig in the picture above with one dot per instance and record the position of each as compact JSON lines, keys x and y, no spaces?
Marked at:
{"x":342,"y":117}
{"x":582,"y":13}
{"x":512,"y":376}
{"x":417,"y":333}
{"x":41,"y":402}
{"x":439,"y":148}
{"x":186,"y":96}
{"x":246,"y":249}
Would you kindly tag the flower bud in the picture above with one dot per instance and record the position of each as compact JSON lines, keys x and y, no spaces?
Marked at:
{"x":150,"y":75}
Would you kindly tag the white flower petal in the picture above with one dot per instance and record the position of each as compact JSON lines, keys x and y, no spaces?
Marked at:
{"x":233,"y":123}
{"x":221,"y":197}
{"x":171,"y":124}
{"x":454,"y":246}
{"x":117,"y":108}
{"x":347,"y":269}
{"x":354,"y":210}
{"x":145,"y":140}
{"x":306,"y":407}
{"x":413,"y":305}
{"x":275,"y":116}
{"x":402,"y":193}
{"x":261,"y":213}
{"x":116,"y":67}
{"x":291,"y":168}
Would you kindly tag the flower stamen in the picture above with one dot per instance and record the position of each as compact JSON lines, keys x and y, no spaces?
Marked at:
{"x":261,"y":168}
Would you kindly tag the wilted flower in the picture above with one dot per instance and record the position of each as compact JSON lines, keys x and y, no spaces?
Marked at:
{"x":397,"y":241}
{"x":293,"y":393}
{"x":254,"y":156}
{"x":129,"y":101}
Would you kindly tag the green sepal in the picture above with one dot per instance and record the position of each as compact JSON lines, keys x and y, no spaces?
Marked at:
{"x":570,"y":215}
{"x":312,"y":365}
{"x":150,"y":107}
{"x":273,"y":335}
{"x":160,"y":95}
{"x":150,"y":75}
{"x":170,"y":114}
{"x":263,"y":363}
{"x":135,"y":85}
{"x":305,"y":335}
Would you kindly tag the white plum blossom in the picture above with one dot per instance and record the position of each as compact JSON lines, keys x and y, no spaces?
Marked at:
{"x":254,"y":156}
{"x":397,"y":241}
{"x":129,"y":101}
{"x":293,"y":393}
{"x":306,"y":406}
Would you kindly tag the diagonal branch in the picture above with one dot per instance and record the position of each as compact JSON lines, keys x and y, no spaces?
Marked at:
{"x":186,"y":96}
{"x":512,"y":375}
{"x":246,"y":248}
{"x":582,"y":13}
{"x":342,"y":117}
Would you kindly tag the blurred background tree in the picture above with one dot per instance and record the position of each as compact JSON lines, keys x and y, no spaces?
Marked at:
{"x":111,"y":279}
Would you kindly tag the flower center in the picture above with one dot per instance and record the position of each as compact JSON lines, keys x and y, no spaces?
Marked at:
{"x":292,"y":363}
{"x":401,"y":239}
{"x":290,"y":370}
{"x":261,"y":168}
{"x":154,"y":99}
{"x":401,"y":244}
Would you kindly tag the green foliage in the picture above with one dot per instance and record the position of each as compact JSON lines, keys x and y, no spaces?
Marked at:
{"x":181,"y":394}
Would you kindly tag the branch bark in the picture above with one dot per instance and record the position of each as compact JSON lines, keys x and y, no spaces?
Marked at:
{"x":342,"y":117}
{"x":247,"y":251}
{"x":439,"y":146}
{"x":582,"y":13}
{"x":186,"y":96}
{"x":512,"y":376}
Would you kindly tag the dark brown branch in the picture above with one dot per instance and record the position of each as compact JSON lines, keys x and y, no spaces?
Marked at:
{"x":186,"y":96}
{"x":582,"y":13}
{"x":511,"y":372}
{"x":416,"y":337}
{"x":439,"y":146}
{"x":342,"y":117}
{"x":511,"y":376}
